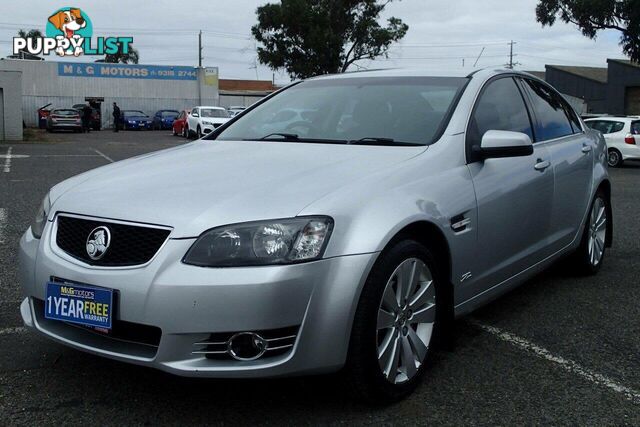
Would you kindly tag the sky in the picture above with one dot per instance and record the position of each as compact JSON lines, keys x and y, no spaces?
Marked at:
{"x":442,"y":34}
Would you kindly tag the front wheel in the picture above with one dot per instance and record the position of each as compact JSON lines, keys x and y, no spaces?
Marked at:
{"x":395,"y":323}
{"x":614,"y":158}
{"x":199,"y":132}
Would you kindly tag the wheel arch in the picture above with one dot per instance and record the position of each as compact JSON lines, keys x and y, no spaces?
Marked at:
{"x":430,"y":235}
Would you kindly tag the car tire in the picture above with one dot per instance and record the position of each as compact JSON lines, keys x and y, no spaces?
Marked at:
{"x":199,"y":132}
{"x":614,"y":158}
{"x":588,"y":259}
{"x":399,"y":369}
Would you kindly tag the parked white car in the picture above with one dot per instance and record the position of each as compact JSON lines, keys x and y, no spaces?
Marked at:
{"x":203,"y":120}
{"x":234,"y":110}
{"x":622,"y":135}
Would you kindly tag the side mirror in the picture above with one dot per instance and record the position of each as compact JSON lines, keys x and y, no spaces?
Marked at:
{"x":195,"y":115}
{"x":502,"y":143}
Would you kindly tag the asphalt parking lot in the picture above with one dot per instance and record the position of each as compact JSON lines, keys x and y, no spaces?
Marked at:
{"x":558,"y":350}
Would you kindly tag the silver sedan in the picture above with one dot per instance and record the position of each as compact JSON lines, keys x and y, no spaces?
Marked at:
{"x":349,"y":238}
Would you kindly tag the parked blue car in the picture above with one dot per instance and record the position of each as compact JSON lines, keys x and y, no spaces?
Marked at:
{"x":163,"y":119}
{"x":135,"y":119}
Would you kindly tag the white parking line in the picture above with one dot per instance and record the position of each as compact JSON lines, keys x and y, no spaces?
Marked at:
{"x":566,"y":364}
{"x":103,"y":155}
{"x":7,"y":161}
{"x":3,"y":223}
{"x":14,"y":330}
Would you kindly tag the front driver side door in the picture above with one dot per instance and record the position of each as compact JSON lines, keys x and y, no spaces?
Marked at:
{"x":514,"y":194}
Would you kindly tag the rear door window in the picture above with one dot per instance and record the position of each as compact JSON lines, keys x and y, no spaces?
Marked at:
{"x":635,"y":128}
{"x":552,"y":121}
{"x":606,"y":126}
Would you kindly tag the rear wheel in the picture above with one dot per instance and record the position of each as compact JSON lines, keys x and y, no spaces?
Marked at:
{"x":614,"y":159}
{"x":394,"y":325}
{"x":590,"y":255}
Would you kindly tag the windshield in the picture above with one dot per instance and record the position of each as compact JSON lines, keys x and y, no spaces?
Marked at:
{"x":169,"y":113}
{"x":393,"y":110}
{"x":214,"y":112}
{"x":133,"y":113}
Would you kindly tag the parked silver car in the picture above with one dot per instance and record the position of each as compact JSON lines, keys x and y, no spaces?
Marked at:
{"x":350,"y":239}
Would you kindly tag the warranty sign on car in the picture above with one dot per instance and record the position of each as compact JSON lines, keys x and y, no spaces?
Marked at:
{"x":88,"y":306}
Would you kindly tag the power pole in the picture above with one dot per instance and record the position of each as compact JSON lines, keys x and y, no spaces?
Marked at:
{"x":200,"y":49}
{"x":511,"y":64}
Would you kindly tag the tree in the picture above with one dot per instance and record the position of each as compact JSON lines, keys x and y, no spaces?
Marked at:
{"x":131,"y":57}
{"x":23,"y":54}
{"x":313,"y":37}
{"x":592,"y":16}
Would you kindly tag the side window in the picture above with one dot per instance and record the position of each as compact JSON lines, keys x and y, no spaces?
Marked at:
{"x":606,"y":126}
{"x":616,"y":127}
{"x":635,"y":128}
{"x":550,"y":111}
{"x":573,"y":117}
{"x":594,"y":124}
{"x":500,"y":107}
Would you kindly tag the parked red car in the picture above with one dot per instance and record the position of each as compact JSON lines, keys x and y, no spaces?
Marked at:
{"x":180,"y":123}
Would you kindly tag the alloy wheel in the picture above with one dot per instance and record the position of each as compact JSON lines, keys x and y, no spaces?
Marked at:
{"x":614,"y":158}
{"x":597,"y":231}
{"x":406,"y":317}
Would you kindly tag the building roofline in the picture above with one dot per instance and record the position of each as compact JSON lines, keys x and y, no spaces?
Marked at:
{"x":564,"y":69}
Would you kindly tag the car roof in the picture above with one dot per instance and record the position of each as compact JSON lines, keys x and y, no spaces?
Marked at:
{"x":614,"y":118}
{"x":418,"y":72}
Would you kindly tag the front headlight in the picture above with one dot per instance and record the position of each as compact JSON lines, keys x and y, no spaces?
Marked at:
{"x":284,"y":241}
{"x":207,"y":122}
{"x":37,"y":226}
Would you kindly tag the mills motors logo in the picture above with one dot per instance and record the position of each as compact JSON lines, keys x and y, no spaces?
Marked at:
{"x":69,"y":32}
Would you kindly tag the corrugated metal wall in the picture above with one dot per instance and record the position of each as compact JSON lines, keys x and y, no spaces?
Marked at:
{"x":41,"y":85}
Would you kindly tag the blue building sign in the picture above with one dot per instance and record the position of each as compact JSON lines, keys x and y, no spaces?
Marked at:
{"x":121,"y":71}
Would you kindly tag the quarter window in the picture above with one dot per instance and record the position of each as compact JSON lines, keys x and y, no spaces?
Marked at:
{"x":552,"y":121}
{"x":500,"y":107}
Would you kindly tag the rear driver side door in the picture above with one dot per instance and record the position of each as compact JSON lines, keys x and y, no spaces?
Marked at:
{"x":514,"y":194}
{"x":558,"y":128}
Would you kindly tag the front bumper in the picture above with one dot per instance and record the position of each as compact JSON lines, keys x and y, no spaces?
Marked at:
{"x":136,"y":125}
{"x":189,"y":304}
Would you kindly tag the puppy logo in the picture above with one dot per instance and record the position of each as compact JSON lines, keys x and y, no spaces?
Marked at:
{"x":69,"y":22}
{"x":98,"y":242}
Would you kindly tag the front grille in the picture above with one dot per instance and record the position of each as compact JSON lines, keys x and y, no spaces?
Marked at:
{"x":129,"y":245}
{"x":279,"y":341}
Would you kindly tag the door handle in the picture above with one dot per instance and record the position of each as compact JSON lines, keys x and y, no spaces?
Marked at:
{"x":586,"y":148}
{"x":542,"y":165}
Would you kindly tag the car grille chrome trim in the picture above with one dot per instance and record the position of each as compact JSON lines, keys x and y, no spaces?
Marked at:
{"x":135,"y":245}
{"x":279,"y":342}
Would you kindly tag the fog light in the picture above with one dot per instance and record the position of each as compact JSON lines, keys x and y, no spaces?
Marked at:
{"x":246,"y":346}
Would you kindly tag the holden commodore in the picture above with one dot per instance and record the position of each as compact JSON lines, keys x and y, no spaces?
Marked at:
{"x":349,"y":239}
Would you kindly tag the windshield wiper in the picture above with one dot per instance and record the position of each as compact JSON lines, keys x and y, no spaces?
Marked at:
{"x":285,"y":136}
{"x":368,"y":140}
{"x":292,"y":137}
